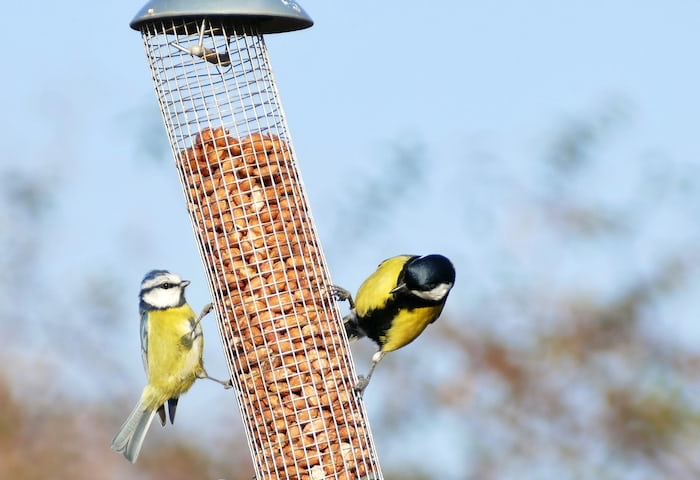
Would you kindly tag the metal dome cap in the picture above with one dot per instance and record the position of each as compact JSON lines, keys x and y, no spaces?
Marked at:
{"x":268,"y":16}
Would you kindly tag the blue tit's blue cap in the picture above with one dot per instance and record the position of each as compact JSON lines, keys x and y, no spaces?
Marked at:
{"x":153,"y":274}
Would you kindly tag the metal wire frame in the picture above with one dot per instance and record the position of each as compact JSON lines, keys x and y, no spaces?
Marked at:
{"x":281,"y":330}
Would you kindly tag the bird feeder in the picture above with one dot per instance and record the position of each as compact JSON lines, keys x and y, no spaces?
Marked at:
{"x":281,"y":330}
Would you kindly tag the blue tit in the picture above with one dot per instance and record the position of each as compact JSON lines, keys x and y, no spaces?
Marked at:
{"x":171,"y":348}
{"x":396,"y":303}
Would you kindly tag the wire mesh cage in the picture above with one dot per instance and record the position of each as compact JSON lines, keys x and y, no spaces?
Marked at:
{"x":281,"y":330}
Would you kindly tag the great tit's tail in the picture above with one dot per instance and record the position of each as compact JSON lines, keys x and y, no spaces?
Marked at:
{"x":131,"y":434}
{"x":352,"y":327}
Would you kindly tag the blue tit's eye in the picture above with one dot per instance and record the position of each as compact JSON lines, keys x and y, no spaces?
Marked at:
{"x":166,"y":285}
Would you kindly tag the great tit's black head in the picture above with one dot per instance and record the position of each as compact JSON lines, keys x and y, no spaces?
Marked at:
{"x":429,"y":277}
{"x":161,"y":289}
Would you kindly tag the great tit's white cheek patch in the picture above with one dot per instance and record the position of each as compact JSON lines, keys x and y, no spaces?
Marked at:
{"x":436,"y":294}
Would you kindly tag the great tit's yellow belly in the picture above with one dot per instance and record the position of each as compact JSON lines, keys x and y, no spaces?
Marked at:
{"x":407,"y":325}
{"x":173,"y":359}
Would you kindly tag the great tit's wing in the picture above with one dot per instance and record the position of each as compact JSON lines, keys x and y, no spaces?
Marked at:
{"x":376,"y":290}
{"x":144,"y":340}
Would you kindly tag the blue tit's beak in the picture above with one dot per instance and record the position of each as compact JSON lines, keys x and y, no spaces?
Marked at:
{"x":184,"y":283}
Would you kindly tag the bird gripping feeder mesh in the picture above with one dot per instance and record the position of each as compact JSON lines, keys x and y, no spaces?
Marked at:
{"x":281,"y":330}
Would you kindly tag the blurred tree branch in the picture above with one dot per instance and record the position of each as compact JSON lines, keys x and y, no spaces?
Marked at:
{"x":565,"y":374}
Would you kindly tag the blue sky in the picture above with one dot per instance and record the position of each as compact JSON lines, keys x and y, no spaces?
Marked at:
{"x":467,"y":80}
{"x":461,"y":78}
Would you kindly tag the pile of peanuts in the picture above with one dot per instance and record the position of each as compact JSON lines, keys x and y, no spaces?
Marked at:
{"x":286,"y":351}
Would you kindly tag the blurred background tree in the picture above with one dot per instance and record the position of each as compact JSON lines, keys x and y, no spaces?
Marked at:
{"x":571,"y":368}
{"x":567,"y":366}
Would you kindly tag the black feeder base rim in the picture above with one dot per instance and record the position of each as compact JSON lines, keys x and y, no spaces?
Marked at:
{"x":264,"y":16}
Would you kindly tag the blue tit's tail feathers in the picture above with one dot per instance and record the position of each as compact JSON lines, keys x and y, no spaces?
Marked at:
{"x":352,"y":327}
{"x":130,"y":437}
{"x":161,"y":414}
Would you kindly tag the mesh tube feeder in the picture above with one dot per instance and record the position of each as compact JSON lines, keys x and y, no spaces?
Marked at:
{"x":281,"y":330}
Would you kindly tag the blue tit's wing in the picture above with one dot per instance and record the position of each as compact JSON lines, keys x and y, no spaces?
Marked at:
{"x":144,"y":340}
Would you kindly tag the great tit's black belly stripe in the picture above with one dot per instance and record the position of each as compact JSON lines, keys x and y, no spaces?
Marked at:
{"x":375,"y":323}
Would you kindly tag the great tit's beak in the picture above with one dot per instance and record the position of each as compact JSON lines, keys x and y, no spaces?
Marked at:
{"x":400,"y":288}
{"x":184,"y":283}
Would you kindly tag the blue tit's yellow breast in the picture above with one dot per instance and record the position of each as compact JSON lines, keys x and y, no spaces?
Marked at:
{"x":375,"y":292}
{"x":172,"y":362}
{"x":407,"y":325}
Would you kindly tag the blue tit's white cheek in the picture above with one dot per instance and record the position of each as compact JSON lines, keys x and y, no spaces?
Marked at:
{"x":162,"y":298}
{"x":153,"y":293}
{"x":436,"y":294}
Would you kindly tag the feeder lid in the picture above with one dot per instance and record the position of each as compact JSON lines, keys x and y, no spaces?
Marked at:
{"x":269,"y":16}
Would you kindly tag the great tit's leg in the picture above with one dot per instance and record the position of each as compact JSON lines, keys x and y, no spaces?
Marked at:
{"x":362,"y":382}
{"x":341,"y":295}
{"x":203,"y":374}
{"x":351,"y":322}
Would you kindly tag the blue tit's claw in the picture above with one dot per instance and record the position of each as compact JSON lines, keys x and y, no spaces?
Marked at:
{"x":226,"y":384}
{"x":187,"y":340}
{"x":206,"y":310}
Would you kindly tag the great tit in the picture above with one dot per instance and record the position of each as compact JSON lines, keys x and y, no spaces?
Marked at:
{"x":394,"y":305}
{"x":171,"y":348}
